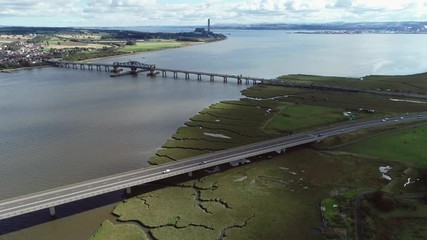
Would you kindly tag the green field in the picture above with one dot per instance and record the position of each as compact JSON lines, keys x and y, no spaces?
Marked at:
{"x":394,"y":217}
{"x":270,"y":199}
{"x":350,"y":101}
{"x":300,"y":117}
{"x":415,"y":83}
{"x":407,"y":145}
{"x":153,"y":46}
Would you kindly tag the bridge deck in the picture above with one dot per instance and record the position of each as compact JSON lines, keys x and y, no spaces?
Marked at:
{"x":212,"y":74}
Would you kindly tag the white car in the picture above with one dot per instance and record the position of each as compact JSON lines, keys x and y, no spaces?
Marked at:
{"x":166,"y":171}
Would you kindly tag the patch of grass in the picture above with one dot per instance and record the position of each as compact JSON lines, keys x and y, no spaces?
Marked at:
{"x":173,"y":209}
{"x":260,"y":91}
{"x":178,"y":153}
{"x":415,"y":229}
{"x":315,"y":78}
{"x":391,"y":215}
{"x":191,"y":232}
{"x":299,"y":117}
{"x":109,"y":231}
{"x":415,"y":83}
{"x":331,"y":213}
{"x":350,"y":101}
{"x":152,"y":46}
{"x":221,"y":126}
{"x":407,"y":145}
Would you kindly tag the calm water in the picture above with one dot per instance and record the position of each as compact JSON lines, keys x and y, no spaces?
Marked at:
{"x":60,"y":126}
{"x":273,"y":53}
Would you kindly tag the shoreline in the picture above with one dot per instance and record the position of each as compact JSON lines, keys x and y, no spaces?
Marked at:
{"x":107,"y":57}
{"x":22,"y":68}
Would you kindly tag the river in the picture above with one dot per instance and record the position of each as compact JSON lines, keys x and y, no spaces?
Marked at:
{"x":61,"y":126}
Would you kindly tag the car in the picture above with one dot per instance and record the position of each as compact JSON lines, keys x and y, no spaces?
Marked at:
{"x":401,"y":117}
{"x":203,"y":162}
{"x":166,"y":170}
{"x":383,"y":120}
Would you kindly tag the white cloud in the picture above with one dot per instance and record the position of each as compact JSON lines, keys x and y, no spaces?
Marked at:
{"x":152,"y":12}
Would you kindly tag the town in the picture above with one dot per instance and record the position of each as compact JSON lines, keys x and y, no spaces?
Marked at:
{"x":29,"y":47}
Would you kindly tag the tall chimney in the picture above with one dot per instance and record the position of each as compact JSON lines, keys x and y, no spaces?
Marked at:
{"x":209,"y":24}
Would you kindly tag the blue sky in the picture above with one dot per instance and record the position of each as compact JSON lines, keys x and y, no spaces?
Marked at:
{"x":195,"y":12}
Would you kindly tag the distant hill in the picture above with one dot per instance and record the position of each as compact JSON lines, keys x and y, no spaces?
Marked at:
{"x":397,"y":27}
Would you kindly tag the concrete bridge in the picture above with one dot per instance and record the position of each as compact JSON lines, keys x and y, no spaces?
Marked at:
{"x":239,"y":78}
{"x":116,"y":68}
{"x":54,"y":197}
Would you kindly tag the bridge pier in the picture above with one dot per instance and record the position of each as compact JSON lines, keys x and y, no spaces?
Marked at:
{"x":187,"y":76}
{"x":128,"y":190}
{"x":175,"y":74}
{"x":212,"y":78}
{"x":133,"y":70}
{"x":107,"y":69}
{"x":52,"y":211}
{"x":225,"y":79}
{"x":164,"y":74}
{"x":280,"y":151}
{"x":239,"y":80}
{"x":152,"y":70}
{"x":199,"y":77}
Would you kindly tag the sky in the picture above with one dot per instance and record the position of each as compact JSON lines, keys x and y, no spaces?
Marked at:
{"x":98,"y":13}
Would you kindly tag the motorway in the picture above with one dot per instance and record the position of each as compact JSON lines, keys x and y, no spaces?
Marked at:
{"x":54,"y":197}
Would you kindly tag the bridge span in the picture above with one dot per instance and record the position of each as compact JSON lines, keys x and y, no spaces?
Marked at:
{"x":116,"y":68}
{"x":58,"y":196}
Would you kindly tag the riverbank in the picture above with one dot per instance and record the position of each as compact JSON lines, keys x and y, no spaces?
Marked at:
{"x":274,"y":196}
{"x":138,"y":47}
{"x":23,"y":68}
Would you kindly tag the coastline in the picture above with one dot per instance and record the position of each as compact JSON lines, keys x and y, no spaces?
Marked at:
{"x":22,"y":68}
{"x":108,"y":57}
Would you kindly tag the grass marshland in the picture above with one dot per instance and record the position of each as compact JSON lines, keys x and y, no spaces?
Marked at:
{"x":307,"y":193}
